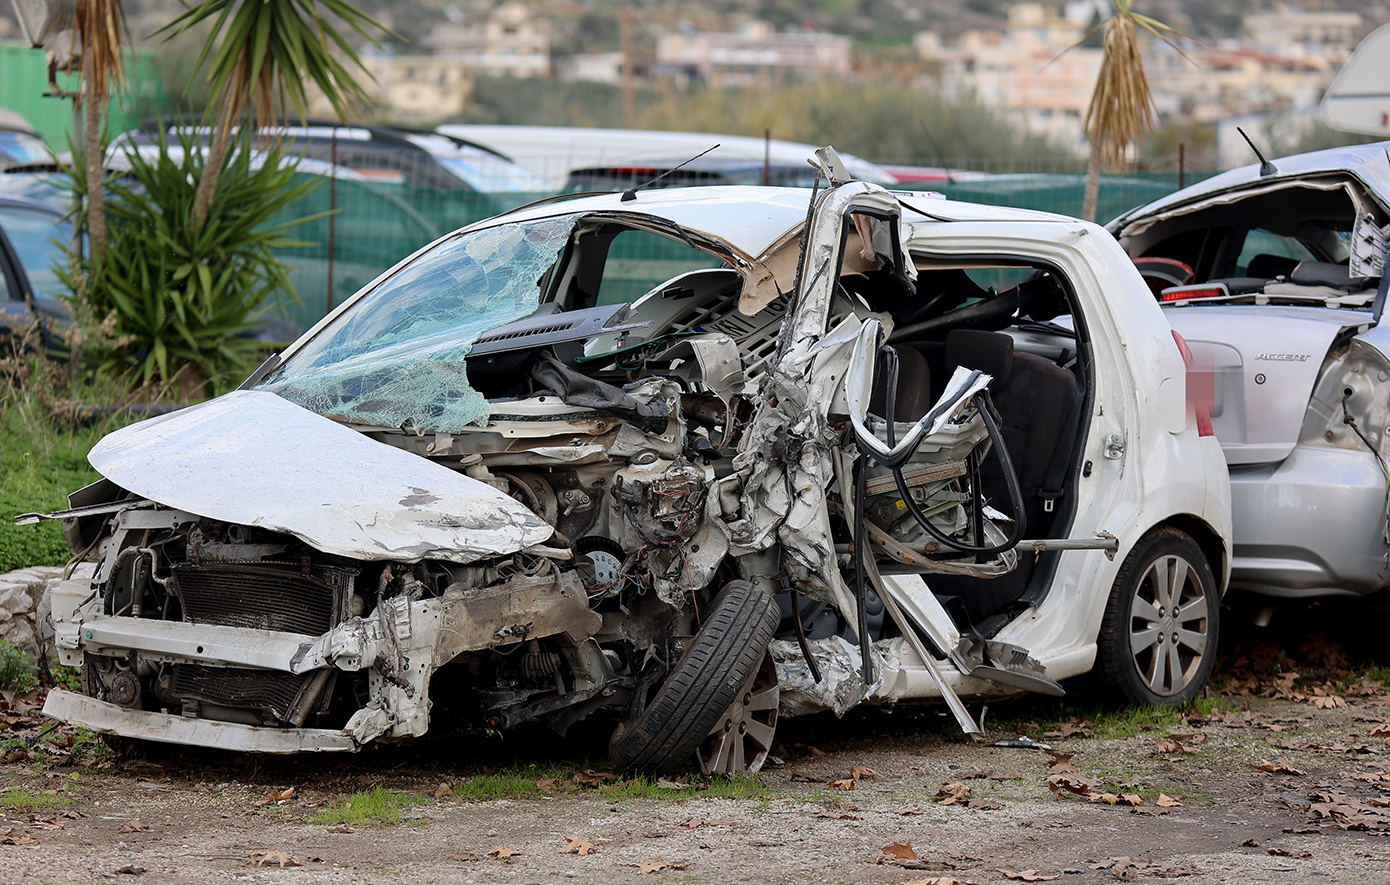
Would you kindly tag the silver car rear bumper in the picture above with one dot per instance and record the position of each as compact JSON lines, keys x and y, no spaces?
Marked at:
{"x":1311,"y":525}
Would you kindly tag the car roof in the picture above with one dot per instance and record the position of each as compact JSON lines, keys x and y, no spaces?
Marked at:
{"x":19,"y":202}
{"x":545,"y":149}
{"x":752,"y":218}
{"x":1369,"y":163}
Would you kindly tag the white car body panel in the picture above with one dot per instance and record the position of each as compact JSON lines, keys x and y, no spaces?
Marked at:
{"x":255,"y":459}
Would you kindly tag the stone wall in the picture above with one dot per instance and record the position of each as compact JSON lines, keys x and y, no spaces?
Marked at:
{"x":24,"y":607}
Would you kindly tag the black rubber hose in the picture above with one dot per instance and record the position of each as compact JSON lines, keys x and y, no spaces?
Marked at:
{"x":861,"y":549}
{"x":1002,"y":452}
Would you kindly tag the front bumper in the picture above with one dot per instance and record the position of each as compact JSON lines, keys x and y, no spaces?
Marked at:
{"x":106,"y":718}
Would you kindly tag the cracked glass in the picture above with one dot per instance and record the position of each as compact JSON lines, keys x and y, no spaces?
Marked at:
{"x":396,"y":358}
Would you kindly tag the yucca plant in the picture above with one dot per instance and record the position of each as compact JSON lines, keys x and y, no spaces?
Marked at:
{"x":1122,"y":106}
{"x":173,"y":301}
{"x":267,"y":51}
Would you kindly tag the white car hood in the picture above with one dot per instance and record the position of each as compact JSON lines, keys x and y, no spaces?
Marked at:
{"x":255,"y":459}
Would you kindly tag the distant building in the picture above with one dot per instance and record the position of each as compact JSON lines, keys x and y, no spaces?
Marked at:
{"x":507,"y":41}
{"x":598,"y":67}
{"x":1292,"y":31}
{"x":754,"y":54}
{"x":420,"y":87}
{"x":1024,"y":72}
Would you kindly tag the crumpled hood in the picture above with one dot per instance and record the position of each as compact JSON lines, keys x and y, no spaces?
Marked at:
{"x":255,"y":459}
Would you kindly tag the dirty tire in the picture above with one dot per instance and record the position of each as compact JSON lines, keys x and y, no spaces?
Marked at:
{"x":702,"y":685}
{"x":1165,"y":589}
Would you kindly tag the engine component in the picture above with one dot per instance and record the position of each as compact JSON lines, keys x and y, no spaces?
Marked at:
{"x":606,"y":556}
{"x":125,"y":689}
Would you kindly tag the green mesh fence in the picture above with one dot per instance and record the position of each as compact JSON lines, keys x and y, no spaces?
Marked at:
{"x":378,"y":223}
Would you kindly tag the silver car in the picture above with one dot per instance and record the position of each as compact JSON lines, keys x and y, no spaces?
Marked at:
{"x":1274,"y":275}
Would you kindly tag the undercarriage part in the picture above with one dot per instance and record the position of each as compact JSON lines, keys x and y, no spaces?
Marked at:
{"x":285,"y":597}
{"x":742,"y":737}
{"x":702,"y":685}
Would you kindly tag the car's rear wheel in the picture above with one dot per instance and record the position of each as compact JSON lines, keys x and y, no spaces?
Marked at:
{"x":1157,"y":642}
{"x":723,"y":657}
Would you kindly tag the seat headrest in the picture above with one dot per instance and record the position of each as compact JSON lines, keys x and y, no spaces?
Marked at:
{"x":990,"y":352}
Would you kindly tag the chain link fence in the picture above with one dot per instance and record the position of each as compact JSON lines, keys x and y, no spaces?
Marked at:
{"x":373,"y":222}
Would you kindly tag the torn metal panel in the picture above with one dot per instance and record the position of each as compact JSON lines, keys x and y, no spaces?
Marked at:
{"x":252,"y":458}
{"x":841,"y":685}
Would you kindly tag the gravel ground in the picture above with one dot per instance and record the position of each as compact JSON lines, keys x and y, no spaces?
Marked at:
{"x":1289,"y":788}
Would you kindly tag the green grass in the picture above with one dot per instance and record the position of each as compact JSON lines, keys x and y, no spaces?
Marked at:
{"x":377,"y":806}
{"x":21,"y":798}
{"x":40,"y":463}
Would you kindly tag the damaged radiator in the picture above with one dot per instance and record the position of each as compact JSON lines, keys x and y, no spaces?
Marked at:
{"x":290,"y":598}
{"x":285,"y":597}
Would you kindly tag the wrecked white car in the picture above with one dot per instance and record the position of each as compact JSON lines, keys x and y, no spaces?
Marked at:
{"x":1275,"y":275}
{"x":685,"y":459}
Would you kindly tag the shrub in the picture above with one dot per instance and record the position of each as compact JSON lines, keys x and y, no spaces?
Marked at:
{"x":16,"y":670}
{"x":174,"y":302}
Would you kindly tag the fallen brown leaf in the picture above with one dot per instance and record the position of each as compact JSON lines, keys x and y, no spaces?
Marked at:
{"x":1278,"y":766}
{"x":647,"y":867}
{"x":1029,"y":876}
{"x":983,"y":804}
{"x":1284,"y":852}
{"x":953,"y":794}
{"x":813,"y":751}
{"x":503,"y":853}
{"x":1061,"y":763}
{"x":842,"y":784}
{"x":858,"y":771}
{"x":1165,"y":801}
{"x":465,"y":856}
{"x":48,"y":823}
{"x":442,"y":790}
{"x":550,"y":784}
{"x":907,"y":810}
{"x":131,"y":870}
{"x":901,"y":850}
{"x":283,"y":858}
{"x":578,"y":846}
{"x":593,"y":778}
{"x":282,"y":795}
{"x":8,"y":837}
{"x":133,"y":827}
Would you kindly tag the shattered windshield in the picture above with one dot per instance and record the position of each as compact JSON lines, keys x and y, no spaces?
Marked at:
{"x":396,"y":357}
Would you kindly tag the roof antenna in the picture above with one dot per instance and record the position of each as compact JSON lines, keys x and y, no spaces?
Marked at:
{"x":631,"y":194}
{"x":1266,"y":168}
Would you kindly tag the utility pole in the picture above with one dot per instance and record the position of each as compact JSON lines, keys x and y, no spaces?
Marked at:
{"x":629,"y":88}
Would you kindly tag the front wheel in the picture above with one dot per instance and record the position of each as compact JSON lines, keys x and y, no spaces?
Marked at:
{"x":1157,"y":643}
{"x":720,"y":663}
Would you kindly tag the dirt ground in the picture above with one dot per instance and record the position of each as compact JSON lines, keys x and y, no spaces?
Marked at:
{"x":1281,"y":775}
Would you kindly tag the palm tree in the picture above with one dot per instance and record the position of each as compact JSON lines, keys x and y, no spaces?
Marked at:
{"x":262,"y":51}
{"x":100,"y":24}
{"x":1122,"y":106}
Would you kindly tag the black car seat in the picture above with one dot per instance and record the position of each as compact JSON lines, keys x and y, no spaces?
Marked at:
{"x":1034,"y":397}
{"x":914,"y":394}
